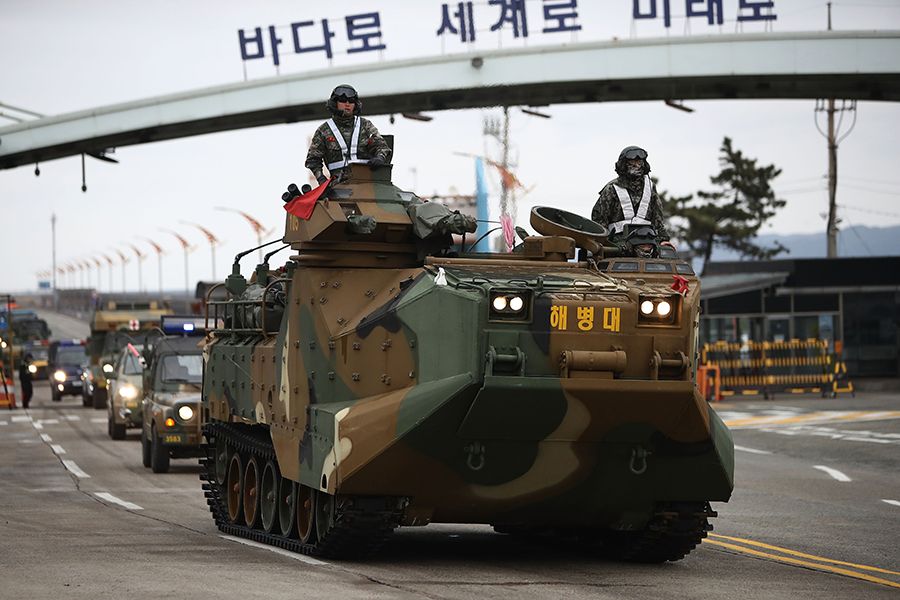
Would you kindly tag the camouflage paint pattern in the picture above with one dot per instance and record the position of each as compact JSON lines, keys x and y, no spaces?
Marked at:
{"x":385,"y":381}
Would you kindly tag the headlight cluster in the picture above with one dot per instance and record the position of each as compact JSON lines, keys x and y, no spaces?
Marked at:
{"x":658,"y":311}
{"x":60,"y":376}
{"x":127,"y":391}
{"x":108,"y":368}
{"x":185,"y":413}
{"x":510,"y":305}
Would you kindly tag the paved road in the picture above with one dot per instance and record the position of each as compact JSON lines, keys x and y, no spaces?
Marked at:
{"x":815,"y":513}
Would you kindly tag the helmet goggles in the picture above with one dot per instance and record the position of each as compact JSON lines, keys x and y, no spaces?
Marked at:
{"x":344,"y":94}
{"x":634,"y":153}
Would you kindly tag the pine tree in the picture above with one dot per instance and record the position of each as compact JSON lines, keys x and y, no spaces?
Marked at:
{"x":731,"y":216}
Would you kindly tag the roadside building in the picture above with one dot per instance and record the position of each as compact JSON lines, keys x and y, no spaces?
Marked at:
{"x":851,"y":302}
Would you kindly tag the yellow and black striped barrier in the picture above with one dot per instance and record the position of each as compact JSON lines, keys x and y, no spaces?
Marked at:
{"x":793,"y":366}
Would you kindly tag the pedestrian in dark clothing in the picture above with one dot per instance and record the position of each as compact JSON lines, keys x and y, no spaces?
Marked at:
{"x":25,"y":380}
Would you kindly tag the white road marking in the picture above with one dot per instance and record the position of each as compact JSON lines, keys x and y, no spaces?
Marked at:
{"x":110,"y":498}
{"x":73,"y":468}
{"x":752,"y":450}
{"x":301,"y":557}
{"x":834,"y":473}
{"x":20,"y":418}
{"x":99,"y":420}
{"x":47,"y":439}
{"x":72,"y":418}
{"x":48,"y":421}
{"x":894,"y":502}
{"x":3,"y":423}
{"x":57,"y":449}
{"x":38,"y":425}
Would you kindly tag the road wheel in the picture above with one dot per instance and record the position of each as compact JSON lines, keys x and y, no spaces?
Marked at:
{"x":324,"y":507}
{"x":146,"y":450}
{"x":159,"y":454}
{"x":233,"y":488}
{"x":250,"y":495}
{"x":306,"y":514}
{"x":116,"y":431}
{"x":221,"y":460}
{"x":287,"y":507}
{"x":99,"y":398}
{"x":268,"y":497}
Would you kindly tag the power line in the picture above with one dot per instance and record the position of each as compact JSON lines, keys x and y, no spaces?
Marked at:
{"x":871,"y":212}
{"x":864,"y":189}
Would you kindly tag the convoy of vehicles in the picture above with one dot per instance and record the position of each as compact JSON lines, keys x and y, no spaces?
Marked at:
{"x":377,"y":381}
{"x":172,"y":417}
{"x":114,"y":326}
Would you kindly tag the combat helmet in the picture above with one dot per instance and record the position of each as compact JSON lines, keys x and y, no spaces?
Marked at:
{"x":641,"y":235}
{"x":344,"y":93}
{"x":630,"y":153}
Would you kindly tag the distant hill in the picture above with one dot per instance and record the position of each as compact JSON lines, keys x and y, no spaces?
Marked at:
{"x":852,"y":241}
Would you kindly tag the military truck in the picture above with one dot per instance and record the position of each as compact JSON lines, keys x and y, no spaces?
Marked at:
{"x":172,"y":383}
{"x":376,"y":380}
{"x":114,"y":326}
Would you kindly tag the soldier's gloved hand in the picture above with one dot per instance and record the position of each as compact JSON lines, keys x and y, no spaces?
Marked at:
{"x":376,"y":162}
{"x":321,"y":179}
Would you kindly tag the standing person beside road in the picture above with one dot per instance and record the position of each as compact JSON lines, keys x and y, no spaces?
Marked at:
{"x":345,"y":138}
{"x":631,"y":198}
{"x":25,"y":380}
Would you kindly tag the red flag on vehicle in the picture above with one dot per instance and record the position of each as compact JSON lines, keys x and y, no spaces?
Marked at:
{"x":680,"y":285}
{"x":302,"y":206}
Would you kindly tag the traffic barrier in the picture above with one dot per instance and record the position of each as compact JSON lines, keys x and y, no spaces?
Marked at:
{"x":708,"y":382}
{"x":793,"y":366}
{"x":7,"y":394}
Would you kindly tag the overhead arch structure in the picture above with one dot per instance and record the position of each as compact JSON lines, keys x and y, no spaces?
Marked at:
{"x":845,"y":65}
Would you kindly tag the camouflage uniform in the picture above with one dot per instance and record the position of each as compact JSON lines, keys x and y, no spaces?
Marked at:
{"x":608,"y":209}
{"x":326,"y":149}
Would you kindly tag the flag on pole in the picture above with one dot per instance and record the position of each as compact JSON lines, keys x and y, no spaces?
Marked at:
{"x":302,"y":206}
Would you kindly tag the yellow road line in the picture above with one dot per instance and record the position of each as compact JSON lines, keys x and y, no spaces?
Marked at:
{"x":804,"y":563}
{"x":815,"y":417}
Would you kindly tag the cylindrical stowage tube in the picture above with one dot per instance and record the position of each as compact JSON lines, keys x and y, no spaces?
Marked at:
{"x":583,"y":360}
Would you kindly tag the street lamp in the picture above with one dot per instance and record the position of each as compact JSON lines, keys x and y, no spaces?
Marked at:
{"x":110,"y":263}
{"x":213,"y":242}
{"x":99,"y":266}
{"x":159,"y":254}
{"x":256,"y":225}
{"x":141,"y":257}
{"x":187,"y":250}
{"x":125,"y":261}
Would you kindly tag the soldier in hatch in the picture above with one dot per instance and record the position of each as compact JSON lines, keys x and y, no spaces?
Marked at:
{"x":345,"y":138}
{"x":631,"y":198}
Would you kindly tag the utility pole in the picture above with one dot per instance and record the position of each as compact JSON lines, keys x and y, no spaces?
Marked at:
{"x":831,"y":135}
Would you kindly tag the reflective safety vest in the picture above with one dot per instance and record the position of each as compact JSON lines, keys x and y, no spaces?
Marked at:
{"x":349,"y":154}
{"x":628,"y":209}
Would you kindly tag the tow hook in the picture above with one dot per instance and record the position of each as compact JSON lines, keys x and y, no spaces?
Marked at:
{"x":476,"y":452}
{"x":638,"y":455}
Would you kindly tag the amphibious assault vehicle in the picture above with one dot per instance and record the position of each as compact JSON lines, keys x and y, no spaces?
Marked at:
{"x":378,"y":380}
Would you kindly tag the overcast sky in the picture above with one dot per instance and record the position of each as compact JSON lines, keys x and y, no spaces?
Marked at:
{"x":63,"y":56}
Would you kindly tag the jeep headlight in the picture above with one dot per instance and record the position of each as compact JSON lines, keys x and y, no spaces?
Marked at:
{"x":60,"y":376}
{"x":128,"y":392}
{"x":108,"y":368}
{"x":185,"y":413}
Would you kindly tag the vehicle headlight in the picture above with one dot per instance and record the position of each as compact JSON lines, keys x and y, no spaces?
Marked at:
{"x":185,"y":413}
{"x":128,"y":392}
{"x":512,"y":305}
{"x":659,"y":311}
{"x":32,"y":369}
{"x":107,"y":368}
{"x":59,"y":376}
